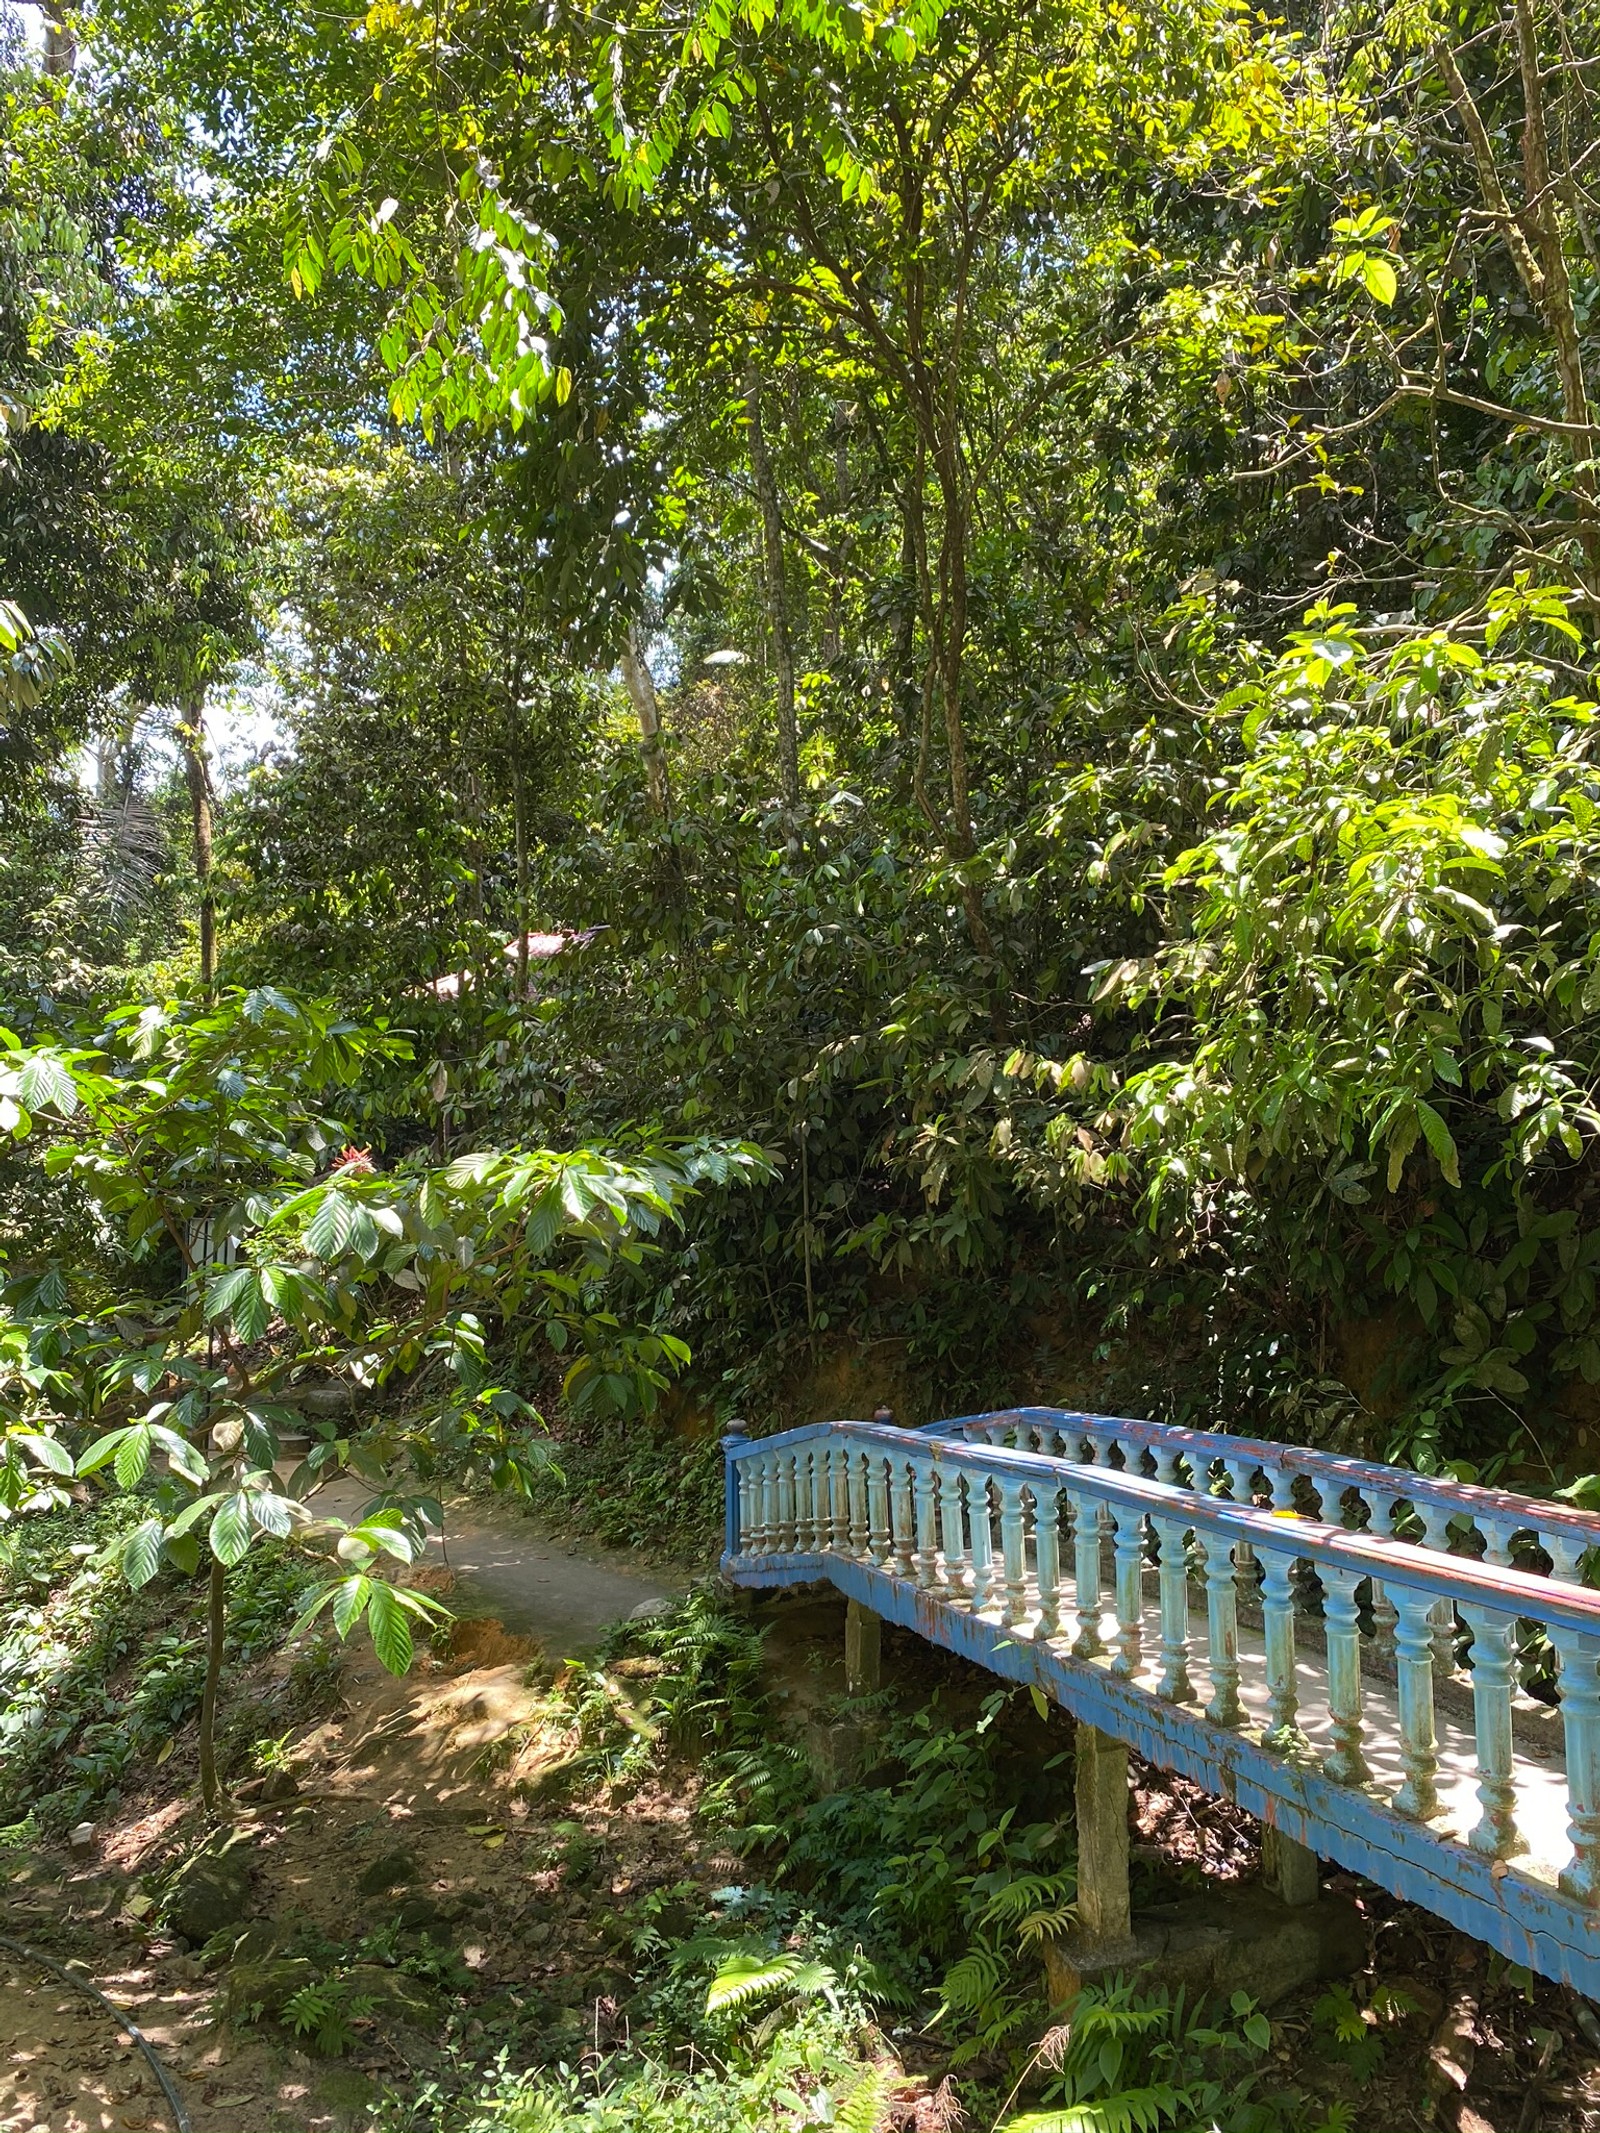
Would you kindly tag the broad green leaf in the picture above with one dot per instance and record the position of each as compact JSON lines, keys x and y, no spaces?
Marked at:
{"x":391,"y":1630}
{"x":45,"y":1080}
{"x":46,"y":1451}
{"x":230,"y":1529}
{"x":328,"y":1231}
{"x":181,"y":1454}
{"x":133,"y":1455}
{"x":141,"y":1552}
{"x":1441,"y":1141}
{"x":1380,"y":278}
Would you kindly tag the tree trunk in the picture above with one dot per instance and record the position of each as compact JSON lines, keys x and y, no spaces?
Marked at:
{"x":642,"y":690}
{"x":519,"y":816}
{"x":197,"y":775}
{"x":1532,"y":235}
{"x":777,"y":593}
{"x":60,"y":44}
{"x":210,"y":1792}
{"x":952,"y":647}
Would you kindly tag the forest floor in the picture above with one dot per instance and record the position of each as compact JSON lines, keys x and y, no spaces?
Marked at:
{"x":436,"y":1877}
{"x":415,"y":1808}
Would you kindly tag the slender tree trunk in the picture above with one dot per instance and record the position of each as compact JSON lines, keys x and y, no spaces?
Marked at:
{"x":948,"y":650}
{"x":519,"y":817}
{"x":777,"y":593}
{"x":197,"y":775}
{"x":210,"y":1791}
{"x":834,"y":643}
{"x":60,"y":44}
{"x":641,"y":689}
{"x":1532,"y":234}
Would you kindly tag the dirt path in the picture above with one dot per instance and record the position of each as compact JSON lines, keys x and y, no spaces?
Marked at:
{"x":407,"y":1758}
{"x":539,"y":1585}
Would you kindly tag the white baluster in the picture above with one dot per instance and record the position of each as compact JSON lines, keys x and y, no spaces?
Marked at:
{"x":1346,"y":1764}
{"x":1241,"y":1482}
{"x":856,"y":1463}
{"x":1175,"y":1683}
{"x":1566,"y":1552}
{"x":1128,"y":1586}
{"x":1495,"y":1832}
{"x":925,"y":1485}
{"x":878,"y":1507}
{"x":1013,"y":1540}
{"x":769,"y":1503}
{"x":839,"y":1499}
{"x":1046,"y":1497}
{"x":1277,"y":1616}
{"x":980,"y":1523}
{"x":1436,"y":1535}
{"x":805,"y":1516}
{"x":788,"y":1499}
{"x":1086,"y":1643}
{"x":1413,"y":1657}
{"x":1580,"y":1717}
{"x":903,"y":1525}
{"x":953,"y":1531}
{"x":1222,"y":1631}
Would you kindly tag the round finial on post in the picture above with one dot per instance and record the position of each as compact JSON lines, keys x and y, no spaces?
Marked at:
{"x":735,"y":1433}
{"x":883,"y":1415}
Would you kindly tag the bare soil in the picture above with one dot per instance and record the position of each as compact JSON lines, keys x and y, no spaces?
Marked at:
{"x":454,"y":1772}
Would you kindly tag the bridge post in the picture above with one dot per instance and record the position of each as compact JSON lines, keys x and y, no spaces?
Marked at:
{"x":1100,"y":1792}
{"x":863,"y":1650}
{"x":1288,"y":1868}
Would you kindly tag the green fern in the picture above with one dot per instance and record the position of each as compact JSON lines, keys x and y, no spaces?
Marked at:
{"x":1034,"y":1906}
{"x":866,"y":2108}
{"x":1129,"y":2111}
{"x":744,"y":1979}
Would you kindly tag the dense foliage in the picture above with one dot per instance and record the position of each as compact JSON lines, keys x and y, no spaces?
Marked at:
{"x":743,"y":707}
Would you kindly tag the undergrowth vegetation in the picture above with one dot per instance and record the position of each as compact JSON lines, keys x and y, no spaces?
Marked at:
{"x":880,"y":1963}
{"x":98,"y":1689}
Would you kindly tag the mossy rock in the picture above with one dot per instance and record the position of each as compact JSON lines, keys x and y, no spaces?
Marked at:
{"x":265,"y":1986}
{"x":390,"y":1870}
{"x":396,"y":1996}
{"x":209,"y":1893}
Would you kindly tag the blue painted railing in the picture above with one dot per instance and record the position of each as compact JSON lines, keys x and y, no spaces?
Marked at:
{"x":1396,"y":1670}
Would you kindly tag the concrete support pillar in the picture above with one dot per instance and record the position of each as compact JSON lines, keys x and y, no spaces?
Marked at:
{"x":1100,"y":1790}
{"x":863,"y":1650}
{"x":1288,"y":1868}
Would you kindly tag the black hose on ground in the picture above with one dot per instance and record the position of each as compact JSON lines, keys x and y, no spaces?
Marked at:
{"x":180,"y":2116}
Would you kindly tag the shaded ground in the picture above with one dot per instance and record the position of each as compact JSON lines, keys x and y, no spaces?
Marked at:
{"x":437,"y":1774}
{"x":432,"y":1855}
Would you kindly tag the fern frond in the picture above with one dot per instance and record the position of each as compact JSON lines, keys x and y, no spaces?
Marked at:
{"x":1130,"y":2111}
{"x":743,"y":1979}
{"x":866,"y":2108}
{"x":976,"y":1978}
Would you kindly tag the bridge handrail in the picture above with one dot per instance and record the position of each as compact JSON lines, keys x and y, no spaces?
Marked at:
{"x":1499,"y":1516}
{"x":1000,"y":1551}
{"x":1525,"y":1594}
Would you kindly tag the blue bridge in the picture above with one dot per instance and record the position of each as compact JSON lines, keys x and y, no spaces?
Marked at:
{"x":1397,"y":1672}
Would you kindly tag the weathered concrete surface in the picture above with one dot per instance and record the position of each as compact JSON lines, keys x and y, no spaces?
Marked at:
{"x":1290,"y":1870}
{"x":863,"y":1650}
{"x":1100,"y":1795}
{"x":1225,"y":1941}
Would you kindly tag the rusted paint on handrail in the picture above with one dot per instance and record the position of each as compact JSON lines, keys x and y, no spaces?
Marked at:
{"x":1395,"y":1562}
{"x":1326,"y":1471}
